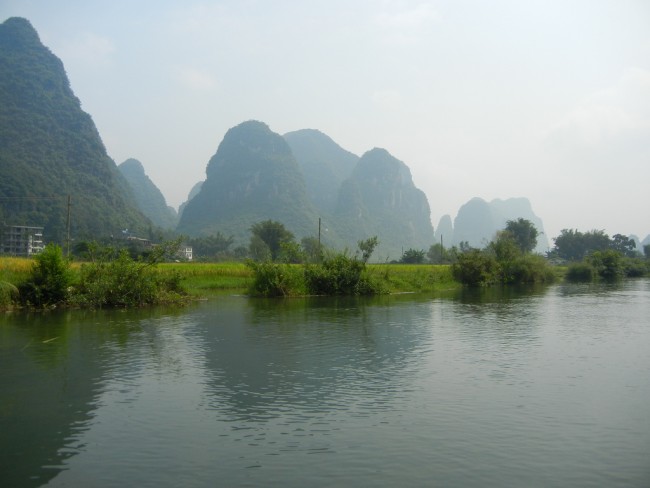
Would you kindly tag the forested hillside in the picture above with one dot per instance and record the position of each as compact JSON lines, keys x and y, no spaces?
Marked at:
{"x":149,"y":198}
{"x":253,"y":176}
{"x":380,"y":199}
{"x":325,"y":165}
{"x":50,"y":148}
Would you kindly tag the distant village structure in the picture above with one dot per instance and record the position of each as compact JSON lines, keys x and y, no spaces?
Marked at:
{"x":22,"y":240}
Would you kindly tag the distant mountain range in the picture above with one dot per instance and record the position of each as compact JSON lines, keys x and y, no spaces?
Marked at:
{"x":50,"y":148}
{"x":257,"y":175}
{"x":478,"y":221}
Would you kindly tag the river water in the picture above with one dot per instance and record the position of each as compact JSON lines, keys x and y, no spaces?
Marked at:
{"x":502,"y":387}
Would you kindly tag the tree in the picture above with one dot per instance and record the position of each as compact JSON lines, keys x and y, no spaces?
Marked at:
{"x":311,"y":248}
{"x":437,"y":254}
{"x":524,"y":233}
{"x":624,"y":245}
{"x":574,"y":245}
{"x":646,"y":251}
{"x":49,"y":279}
{"x":211,"y":247}
{"x":476,"y":268}
{"x":505,"y":247}
{"x":273,"y":234}
{"x":412,"y":256}
{"x":367,"y":247}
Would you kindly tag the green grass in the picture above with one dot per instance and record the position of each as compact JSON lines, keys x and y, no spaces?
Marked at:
{"x":206,"y":279}
{"x":15,"y":270}
{"x":201,"y":279}
{"x":403,"y":278}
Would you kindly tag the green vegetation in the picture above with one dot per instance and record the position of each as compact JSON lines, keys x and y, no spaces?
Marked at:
{"x":50,"y":148}
{"x":594,"y":256}
{"x":127,"y":277}
{"x":506,"y":260}
{"x":334,"y":274}
{"x":148,"y":197}
{"x":109,"y":278}
{"x":112,"y":278}
{"x":49,"y":279}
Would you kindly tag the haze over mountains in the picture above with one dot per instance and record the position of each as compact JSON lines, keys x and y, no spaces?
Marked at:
{"x":50,"y":148}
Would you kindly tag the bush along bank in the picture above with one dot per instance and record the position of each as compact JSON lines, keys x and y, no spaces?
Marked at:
{"x":334,"y":274}
{"x":110,"y":278}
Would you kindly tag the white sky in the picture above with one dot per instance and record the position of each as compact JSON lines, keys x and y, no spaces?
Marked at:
{"x":548,"y":100}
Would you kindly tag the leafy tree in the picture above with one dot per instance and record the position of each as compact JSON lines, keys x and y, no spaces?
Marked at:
{"x":608,"y":264}
{"x":505,"y":247}
{"x":273,"y":234}
{"x":311,"y":249}
{"x":624,"y":245}
{"x":646,"y":251}
{"x":412,"y":256}
{"x":476,"y":268}
{"x":291,"y":252}
{"x":49,"y":280}
{"x":258,"y":250}
{"x":524,"y":234}
{"x":436,"y":254}
{"x":367,"y":247}
{"x":573,"y":245}
{"x":211,"y":247}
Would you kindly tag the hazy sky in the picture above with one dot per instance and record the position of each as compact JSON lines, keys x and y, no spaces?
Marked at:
{"x":544,"y":99}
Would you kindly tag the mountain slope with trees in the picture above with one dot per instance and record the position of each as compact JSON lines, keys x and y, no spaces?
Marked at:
{"x":380,"y":199}
{"x":50,"y":148}
{"x":325,"y":165}
{"x":252,"y":177}
{"x":149,"y":198}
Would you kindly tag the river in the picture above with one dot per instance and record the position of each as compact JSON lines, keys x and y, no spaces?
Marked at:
{"x":502,"y":387}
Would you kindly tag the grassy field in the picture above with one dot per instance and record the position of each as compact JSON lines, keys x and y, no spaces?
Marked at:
{"x":204,"y":279}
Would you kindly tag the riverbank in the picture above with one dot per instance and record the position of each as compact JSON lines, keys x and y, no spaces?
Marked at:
{"x":202,"y":280}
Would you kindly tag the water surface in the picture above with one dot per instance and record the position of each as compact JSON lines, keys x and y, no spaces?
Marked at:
{"x":541,"y":387}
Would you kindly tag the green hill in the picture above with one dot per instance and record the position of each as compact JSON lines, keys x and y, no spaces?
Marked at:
{"x":50,"y":148}
{"x":380,"y":199}
{"x":149,"y":198}
{"x":252,"y":177}
{"x":325,"y":165}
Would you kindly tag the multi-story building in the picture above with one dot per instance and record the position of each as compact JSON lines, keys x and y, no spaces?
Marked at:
{"x":22,"y":240}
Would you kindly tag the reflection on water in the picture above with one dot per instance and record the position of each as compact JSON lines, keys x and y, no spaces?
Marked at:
{"x":499,"y":387}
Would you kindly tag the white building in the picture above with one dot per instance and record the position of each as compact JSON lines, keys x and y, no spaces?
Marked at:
{"x":22,"y":240}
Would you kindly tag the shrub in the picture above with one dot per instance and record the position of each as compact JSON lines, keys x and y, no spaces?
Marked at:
{"x":608,"y":264}
{"x":476,"y":268}
{"x":528,"y":268}
{"x":337,"y":275}
{"x":275,"y":279}
{"x":49,"y":280}
{"x":580,"y":272}
{"x":9,"y":294}
{"x":635,"y":267}
{"x":115,"y":279}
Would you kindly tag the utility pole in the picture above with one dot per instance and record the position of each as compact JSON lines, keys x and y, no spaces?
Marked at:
{"x":67,"y":227}
{"x":319,"y":253}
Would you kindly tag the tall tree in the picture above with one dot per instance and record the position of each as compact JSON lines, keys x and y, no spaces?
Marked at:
{"x":574,"y":245}
{"x":524,"y":233}
{"x":273,"y":234}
